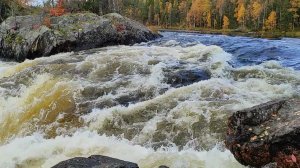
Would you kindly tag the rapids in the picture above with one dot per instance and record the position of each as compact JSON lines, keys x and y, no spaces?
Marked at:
{"x":116,"y":101}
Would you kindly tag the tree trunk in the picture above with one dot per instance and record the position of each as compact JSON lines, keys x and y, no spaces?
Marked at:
{"x":1,"y":12}
{"x":294,"y":24}
{"x":194,"y":21}
{"x":170,"y":18}
{"x":100,"y":8}
{"x":221,"y":21}
{"x":264,"y":15}
{"x":280,"y":16}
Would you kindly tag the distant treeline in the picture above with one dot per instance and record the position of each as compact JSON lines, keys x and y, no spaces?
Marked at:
{"x":253,"y":15}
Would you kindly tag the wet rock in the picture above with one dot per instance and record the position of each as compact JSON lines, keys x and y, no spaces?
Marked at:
{"x":179,"y":78}
{"x":95,"y":161}
{"x":27,"y":37}
{"x":163,"y":166}
{"x":267,"y":133}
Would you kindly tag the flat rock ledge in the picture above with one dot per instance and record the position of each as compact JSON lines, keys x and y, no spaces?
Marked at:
{"x":95,"y":161}
{"x":266,"y":134}
{"x":32,"y":36}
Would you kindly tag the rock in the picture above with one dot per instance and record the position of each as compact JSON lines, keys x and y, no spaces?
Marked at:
{"x":95,"y":161}
{"x":163,"y":166}
{"x":267,"y":133}
{"x":29,"y":37}
{"x":179,"y":78}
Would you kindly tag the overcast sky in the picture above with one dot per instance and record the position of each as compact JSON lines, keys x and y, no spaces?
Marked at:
{"x":37,"y":2}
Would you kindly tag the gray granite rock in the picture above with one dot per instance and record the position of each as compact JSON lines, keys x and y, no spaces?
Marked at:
{"x":29,"y":37}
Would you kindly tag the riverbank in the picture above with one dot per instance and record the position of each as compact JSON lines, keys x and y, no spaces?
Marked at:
{"x":230,"y":32}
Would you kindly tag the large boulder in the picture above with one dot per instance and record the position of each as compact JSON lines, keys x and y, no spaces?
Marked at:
{"x":95,"y":161}
{"x":267,"y":133}
{"x":28,"y":37}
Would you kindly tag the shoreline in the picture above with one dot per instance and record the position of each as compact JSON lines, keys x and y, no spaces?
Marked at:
{"x":231,"y":32}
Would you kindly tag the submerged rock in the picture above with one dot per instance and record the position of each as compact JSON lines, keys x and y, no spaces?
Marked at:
{"x":267,"y":133}
{"x":179,"y":78}
{"x":29,"y":37}
{"x":95,"y":161}
{"x":163,"y":166}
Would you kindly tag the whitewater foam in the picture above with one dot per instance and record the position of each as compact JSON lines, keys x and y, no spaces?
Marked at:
{"x":36,"y":151}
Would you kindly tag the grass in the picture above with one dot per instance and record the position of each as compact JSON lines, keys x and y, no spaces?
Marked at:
{"x":231,"y":32}
{"x":13,"y":38}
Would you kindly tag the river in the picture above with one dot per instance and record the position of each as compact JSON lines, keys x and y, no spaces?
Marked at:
{"x":134,"y":102}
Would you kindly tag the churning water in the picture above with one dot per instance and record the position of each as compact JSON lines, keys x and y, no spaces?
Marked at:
{"x":165,"y":102}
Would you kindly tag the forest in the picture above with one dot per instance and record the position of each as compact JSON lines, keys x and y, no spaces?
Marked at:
{"x":245,"y":15}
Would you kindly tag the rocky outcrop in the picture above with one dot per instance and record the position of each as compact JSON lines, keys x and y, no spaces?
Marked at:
{"x":267,"y":133}
{"x":95,"y":161}
{"x":28,"y":37}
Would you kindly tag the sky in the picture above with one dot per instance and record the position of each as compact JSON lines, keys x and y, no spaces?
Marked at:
{"x":37,"y":2}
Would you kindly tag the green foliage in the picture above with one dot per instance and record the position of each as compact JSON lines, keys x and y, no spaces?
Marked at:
{"x":13,"y":38}
{"x":19,"y":39}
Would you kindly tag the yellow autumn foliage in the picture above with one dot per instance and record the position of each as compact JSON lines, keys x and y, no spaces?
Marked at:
{"x":271,"y":22}
{"x":256,"y":10}
{"x":241,"y":13}
{"x":225,"y":22}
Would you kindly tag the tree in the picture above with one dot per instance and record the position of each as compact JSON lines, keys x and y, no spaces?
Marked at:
{"x":241,"y":13}
{"x":199,"y":9}
{"x":175,"y":12}
{"x":225,"y":22}
{"x":220,"y":4}
{"x":271,"y":21}
{"x":169,"y":13}
{"x":220,"y":7}
{"x":157,"y":12}
{"x":183,"y":10}
{"x":256,"y":10}
{"x":208,"y":20}
{"x":295,"y":5}
{"x":58,"y":10}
